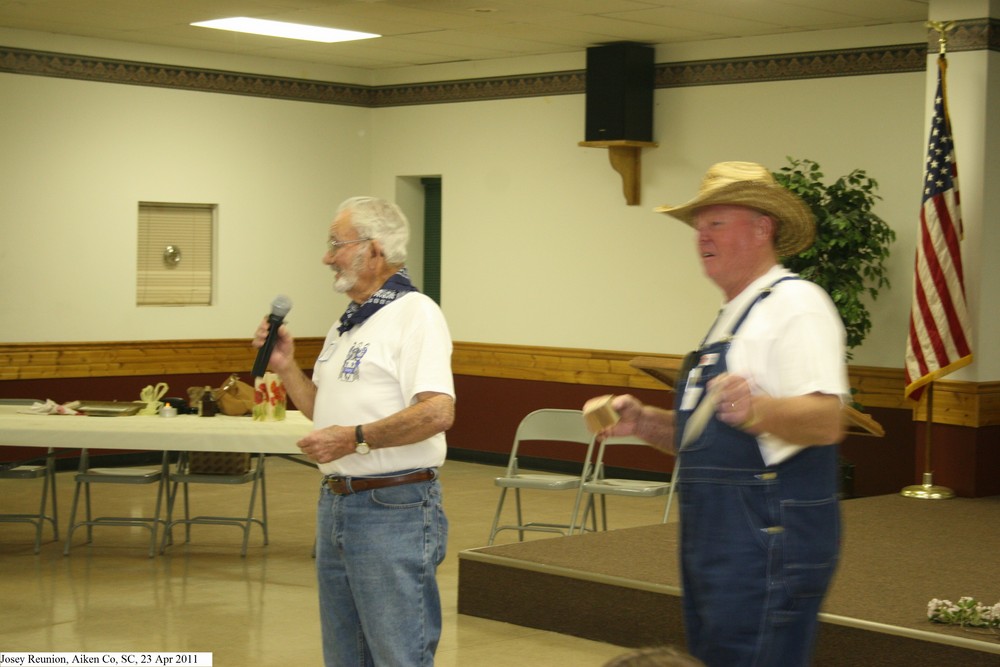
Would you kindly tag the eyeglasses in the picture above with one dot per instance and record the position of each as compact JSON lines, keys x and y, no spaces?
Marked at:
{"x":335,"y":245}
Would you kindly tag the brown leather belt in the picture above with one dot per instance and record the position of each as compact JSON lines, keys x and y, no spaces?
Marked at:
{"x":345,"y":486}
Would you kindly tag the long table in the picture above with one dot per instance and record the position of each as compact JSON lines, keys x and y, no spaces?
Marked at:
{"x":139,"y":432}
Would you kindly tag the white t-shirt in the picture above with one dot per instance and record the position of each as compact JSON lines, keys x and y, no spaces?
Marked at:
{"x":791,"y":344}
{"x":377,"y":369}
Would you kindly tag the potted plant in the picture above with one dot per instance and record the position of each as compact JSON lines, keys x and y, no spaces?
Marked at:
{"x":852,"y":242}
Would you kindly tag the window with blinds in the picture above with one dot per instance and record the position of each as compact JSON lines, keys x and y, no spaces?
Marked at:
{"x":175,"y":254}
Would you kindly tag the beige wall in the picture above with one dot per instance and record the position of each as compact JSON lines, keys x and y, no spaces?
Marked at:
{"x":78,"y":157}
{"x":539,"y":246}
{"x":541,"y":249}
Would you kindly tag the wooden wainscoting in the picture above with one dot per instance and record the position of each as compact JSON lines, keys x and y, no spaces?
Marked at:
{"x":967,"y":404}
{"x":33,"y":361}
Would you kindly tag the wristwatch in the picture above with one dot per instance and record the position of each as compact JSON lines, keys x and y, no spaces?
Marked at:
{"x":359,"y":437}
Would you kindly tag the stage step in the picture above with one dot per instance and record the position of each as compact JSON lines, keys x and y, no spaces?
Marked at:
{"x":622,"y":586}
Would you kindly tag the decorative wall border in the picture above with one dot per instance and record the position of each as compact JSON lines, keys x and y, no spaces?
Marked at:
{"x":878,"y":60}
{"x":106,"y":70}
{"x":969,"y":35}
{"x":791,"y":66}
{"x":478,"y":90}
{"x":967,"y":404}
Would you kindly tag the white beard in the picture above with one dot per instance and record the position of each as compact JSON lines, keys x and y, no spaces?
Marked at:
{"x":345,"y":281}
{"x":348,"y":277}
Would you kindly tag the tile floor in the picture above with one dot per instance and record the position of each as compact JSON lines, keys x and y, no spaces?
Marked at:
{"x":253,"y":611}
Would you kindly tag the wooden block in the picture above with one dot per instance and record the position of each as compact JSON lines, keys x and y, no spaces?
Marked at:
{"x":599,"y":415}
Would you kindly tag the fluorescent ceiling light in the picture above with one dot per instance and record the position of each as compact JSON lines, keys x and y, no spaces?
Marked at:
{"x":309,"y":33}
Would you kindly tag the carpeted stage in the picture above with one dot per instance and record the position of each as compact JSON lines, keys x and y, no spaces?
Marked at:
{"x":622,"y":586}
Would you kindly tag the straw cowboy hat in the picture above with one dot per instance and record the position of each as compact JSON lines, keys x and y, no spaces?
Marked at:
{"x":752,"y":185}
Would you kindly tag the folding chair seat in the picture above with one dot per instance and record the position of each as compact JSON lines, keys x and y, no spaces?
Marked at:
{"x":243,"y":469}
{"x":135,"y":475}
{"x":546,"y":425}
{"x":601,"y":485}
{"x":43,"y":468}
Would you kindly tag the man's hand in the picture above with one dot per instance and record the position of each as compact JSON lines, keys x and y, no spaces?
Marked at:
{"x":284,"y":347}
{"x":328,"y":444}
{"x":735,"y":401}
{"x":652,"y":424}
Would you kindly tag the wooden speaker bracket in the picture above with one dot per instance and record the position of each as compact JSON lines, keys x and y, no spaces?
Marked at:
{"x":625,"y":159}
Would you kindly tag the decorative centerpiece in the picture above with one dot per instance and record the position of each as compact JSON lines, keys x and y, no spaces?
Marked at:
{"x":268,"y":398}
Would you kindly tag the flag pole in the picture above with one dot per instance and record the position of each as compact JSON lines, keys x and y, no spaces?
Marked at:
{"x":928,"y":490}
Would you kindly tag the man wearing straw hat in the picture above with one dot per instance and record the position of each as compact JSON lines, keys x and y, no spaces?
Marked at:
{"x":758,"y":408}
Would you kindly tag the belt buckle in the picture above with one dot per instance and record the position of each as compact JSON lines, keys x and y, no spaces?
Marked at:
{"x":338,"y":485}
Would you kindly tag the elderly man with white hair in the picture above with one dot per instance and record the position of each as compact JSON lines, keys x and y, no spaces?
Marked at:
{"x":381,"y":397}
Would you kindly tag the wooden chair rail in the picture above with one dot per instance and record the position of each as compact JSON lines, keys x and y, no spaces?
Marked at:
{"x":960,"y":403}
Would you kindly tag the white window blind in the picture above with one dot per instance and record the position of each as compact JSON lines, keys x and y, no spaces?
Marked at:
{"x":175,"y":254}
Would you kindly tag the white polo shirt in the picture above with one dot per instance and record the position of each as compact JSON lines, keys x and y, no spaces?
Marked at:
{"x":377,"y":369}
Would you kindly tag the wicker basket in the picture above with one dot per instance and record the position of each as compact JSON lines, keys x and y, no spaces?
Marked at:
{"x":219,"y":463}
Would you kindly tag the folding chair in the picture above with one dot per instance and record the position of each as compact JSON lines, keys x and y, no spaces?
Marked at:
{"x":547,"y":425}
{"x":44,"y":469}
{"x":185,"y":474}
{"x":601,"y":485}
{"x":143,"y":475}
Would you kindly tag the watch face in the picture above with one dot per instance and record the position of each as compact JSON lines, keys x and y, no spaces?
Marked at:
{"x":362,"y":448}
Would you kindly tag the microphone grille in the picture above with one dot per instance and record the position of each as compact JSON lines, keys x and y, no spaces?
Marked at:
{"x":281,"y":305}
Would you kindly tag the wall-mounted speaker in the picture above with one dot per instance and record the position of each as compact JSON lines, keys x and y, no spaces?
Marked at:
{"x":619,"y":92}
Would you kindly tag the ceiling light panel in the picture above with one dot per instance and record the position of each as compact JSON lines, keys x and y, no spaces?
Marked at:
{"x":309,"y":33}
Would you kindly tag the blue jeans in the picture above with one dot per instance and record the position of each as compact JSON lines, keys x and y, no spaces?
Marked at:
{"x":377,"y":554}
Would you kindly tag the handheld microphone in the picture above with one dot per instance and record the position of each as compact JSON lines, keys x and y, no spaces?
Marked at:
{"x":279,"y":308}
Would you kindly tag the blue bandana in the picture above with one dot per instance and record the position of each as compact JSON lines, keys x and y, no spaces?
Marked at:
{"x":396,"y":286}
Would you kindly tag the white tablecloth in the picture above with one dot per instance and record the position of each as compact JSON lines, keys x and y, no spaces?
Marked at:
{"x":182,"y":433}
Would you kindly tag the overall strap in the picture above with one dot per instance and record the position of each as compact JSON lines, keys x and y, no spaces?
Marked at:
{"x":763,"y":294}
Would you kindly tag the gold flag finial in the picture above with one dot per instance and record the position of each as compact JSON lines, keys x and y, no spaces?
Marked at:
{"x":943,"y":28}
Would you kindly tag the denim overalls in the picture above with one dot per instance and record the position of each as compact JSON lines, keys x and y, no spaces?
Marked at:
{"x":759,"y":543}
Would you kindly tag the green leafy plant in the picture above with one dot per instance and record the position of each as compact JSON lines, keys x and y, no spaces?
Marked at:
{"x":852,"y":242}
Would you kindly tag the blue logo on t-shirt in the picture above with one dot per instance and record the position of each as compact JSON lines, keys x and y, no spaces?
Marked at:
{"x":352,"y":364}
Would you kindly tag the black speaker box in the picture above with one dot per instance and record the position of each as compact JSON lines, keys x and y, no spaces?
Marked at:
{"x":619,"y":92}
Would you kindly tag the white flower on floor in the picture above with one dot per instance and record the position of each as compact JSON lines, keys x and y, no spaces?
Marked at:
{"x":967,"y":612}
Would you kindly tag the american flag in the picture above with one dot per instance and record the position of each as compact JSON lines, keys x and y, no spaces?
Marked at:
{"x":938,"y":340}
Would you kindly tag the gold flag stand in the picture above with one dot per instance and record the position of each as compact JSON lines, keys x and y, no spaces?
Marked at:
{"x":928,"y":490}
